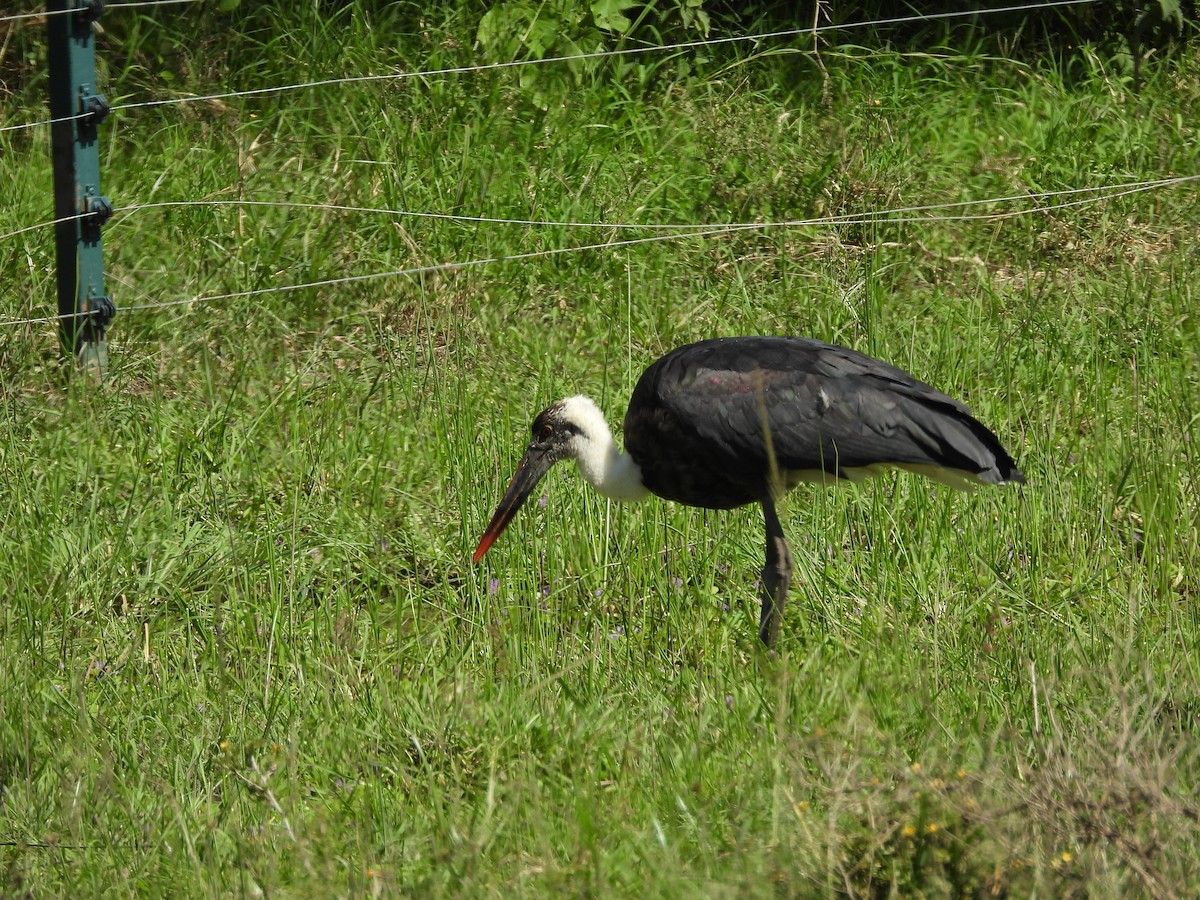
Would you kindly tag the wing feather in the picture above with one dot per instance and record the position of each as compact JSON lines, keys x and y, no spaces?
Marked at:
{"x":825,"y":408}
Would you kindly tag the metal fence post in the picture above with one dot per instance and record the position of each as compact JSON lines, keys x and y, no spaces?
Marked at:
{"x":78,"y":110}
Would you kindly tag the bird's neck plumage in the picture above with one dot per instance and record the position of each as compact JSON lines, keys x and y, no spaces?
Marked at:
{"x":612,"y":473}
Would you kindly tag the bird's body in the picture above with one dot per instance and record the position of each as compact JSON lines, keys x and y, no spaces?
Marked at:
{"x":731,"y":421}
{"x":830,"y":413}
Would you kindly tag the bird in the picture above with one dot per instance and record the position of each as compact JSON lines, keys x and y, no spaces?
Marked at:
{"x":728,"y":422}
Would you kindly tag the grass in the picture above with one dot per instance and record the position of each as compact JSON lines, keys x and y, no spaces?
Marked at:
{"x":242,"y":649}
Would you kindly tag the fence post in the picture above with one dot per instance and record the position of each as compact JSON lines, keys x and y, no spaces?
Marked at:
{"x":82,"y":210}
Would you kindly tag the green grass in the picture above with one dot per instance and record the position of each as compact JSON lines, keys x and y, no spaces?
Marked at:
{"x":242,"y":648}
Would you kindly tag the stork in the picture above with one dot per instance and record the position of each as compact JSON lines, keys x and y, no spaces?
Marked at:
{"x":727,"y":422}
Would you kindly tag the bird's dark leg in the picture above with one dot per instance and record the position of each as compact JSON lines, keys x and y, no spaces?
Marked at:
{"x":776,"y":577}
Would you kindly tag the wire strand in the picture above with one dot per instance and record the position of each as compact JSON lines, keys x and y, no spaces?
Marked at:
{"x":1105,"y":191}
{"x":600,"y":54}
{"x":605,"y":245}
{"x":40,"y":225}
{"x":47,"y":13}
{"x":624,"y":51}
{"x":43,"y":14}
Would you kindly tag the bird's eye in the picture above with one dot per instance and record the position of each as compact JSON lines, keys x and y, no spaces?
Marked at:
{"x":547,"y":431}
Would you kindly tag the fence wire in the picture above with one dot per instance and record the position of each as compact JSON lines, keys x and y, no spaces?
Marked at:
{"x":874,"y":218}
{"x":132,"y":4}
{"x":675,"y":231}
{"x":599,"y":54}
{"x":1105,"y":192}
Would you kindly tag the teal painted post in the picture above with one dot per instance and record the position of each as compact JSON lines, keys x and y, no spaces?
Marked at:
{"x":79,"y":206}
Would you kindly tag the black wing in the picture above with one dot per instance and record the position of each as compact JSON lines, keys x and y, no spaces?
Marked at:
{"x":697,"y":420}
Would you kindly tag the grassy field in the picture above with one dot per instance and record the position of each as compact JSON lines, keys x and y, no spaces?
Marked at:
{"x":242,"y":647}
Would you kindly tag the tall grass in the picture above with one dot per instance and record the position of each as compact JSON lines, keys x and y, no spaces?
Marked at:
{"x":241,"y":645}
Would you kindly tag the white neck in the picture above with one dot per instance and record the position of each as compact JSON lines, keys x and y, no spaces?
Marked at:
{"x":611,"y":472}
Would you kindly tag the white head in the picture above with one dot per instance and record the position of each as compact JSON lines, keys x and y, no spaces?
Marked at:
{"x":573,"y":428}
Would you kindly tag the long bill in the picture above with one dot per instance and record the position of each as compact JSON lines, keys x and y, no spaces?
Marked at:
{"x":534,"y":464}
